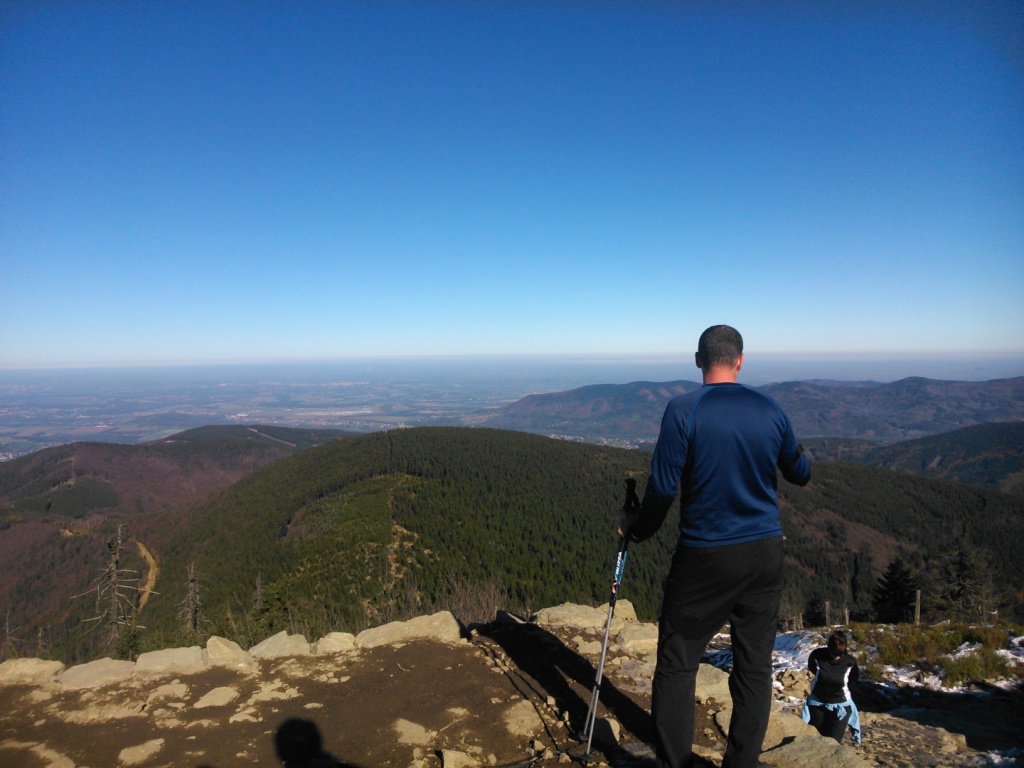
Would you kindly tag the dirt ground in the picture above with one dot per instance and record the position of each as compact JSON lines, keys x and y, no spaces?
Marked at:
{"x":514,"y":695}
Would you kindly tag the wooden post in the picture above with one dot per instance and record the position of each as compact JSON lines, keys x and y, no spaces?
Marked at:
{"x":917,"y":609}
{"x":828,"y":614}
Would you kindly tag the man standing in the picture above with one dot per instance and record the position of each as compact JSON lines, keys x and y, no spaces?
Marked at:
{"x":719,"y":447}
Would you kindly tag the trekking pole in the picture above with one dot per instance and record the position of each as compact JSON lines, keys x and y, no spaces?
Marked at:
{"x":630,"y":505}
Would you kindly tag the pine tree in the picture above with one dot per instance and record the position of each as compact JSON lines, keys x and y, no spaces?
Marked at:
{"x":965,"y":593}
{"x":895,"y":593}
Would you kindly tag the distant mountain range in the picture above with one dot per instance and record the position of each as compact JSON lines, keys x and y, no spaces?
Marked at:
{"x":630,"y":414}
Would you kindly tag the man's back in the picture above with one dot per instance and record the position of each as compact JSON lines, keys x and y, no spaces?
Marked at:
{"x":719,"y":447}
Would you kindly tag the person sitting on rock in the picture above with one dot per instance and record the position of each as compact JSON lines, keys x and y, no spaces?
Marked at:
{"x":830,"y":708}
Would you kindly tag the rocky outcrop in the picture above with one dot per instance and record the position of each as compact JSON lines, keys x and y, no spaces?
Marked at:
{"x":414,"y":693}
{"x":440,"y":626}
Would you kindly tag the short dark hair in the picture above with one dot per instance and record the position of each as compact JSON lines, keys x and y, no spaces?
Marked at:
{"x":719,"y":344}
{"x":837,"y":643}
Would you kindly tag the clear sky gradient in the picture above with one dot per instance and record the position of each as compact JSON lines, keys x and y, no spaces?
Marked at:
{"x":219,"y":181}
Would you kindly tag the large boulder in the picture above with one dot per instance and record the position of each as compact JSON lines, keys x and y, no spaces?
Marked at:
{"x":439,"y":626}
{"x":185,"y":660}
{"x":585,"y":617}
{"x":335,"y":642}
{"x":639,"y":639}
{"x":572,"y":615}
{"x":29,"y":671}
{"x":221,"y":652}
{"x":96,"y":673}
{"x":280,"y":645}
{"x":712,"y":683}
{"x":783,"y":727}
{"x":813,"y":751}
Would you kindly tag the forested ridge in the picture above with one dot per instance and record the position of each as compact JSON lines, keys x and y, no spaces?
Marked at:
{"x":351,"y":532}
{"x":437,"y":505}
{"x":370,"y":528}
{"x":986,"y":455}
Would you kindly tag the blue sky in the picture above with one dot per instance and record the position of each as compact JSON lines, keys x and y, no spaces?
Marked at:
{"x":221,"y":181}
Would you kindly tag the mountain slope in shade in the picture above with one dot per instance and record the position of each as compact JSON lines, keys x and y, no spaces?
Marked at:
{"x":986,"y":455}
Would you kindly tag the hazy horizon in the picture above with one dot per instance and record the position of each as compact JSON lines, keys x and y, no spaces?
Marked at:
{"x":203,"y":181}
{"x":571,"y":370}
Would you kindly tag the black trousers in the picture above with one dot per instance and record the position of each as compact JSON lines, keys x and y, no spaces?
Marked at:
{"x":828,"y":722}
{"x":707,"y":587}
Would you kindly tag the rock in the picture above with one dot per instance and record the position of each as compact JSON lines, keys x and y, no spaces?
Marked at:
{"x":891,"y":731}
{"x":170,"y":691}
{"x":29,"y":671}
{"x":141,"y":753}
{"x":221,"y":652}
{"x":96,"y":673}
{"x":439,"y":626}
{"x":784,"y":726}
{"x":412,"y":733}
{"x":585,"y":617}
{"x":795,"y":683}
{"x":624,"y":611}
{"x":280,"y":645}
{"x":170,"y":660}
{"x":588,"y":648}
{"x":450,"y":758}
{"x":813,"y":751}
{"x":335,"y":642}
{"x":522,"y":719}
{"x":638,"y":638}
{"x":572,"y":615}
{"x":218,"y":697}
{"x":49,"y":757}
{"x":712,"y":683}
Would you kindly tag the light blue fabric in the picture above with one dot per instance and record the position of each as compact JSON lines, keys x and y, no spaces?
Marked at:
{"x":839,"y":709}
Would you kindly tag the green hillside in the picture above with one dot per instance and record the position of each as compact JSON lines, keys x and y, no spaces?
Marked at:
{"x":369,"y":528}
{"x":351,"y":533}
{"x":346,"y":534}
{"x":987,"y":455}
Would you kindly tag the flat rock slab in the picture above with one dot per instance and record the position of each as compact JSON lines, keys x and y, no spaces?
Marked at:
{"x":141,"y":753}
{"x":218,"y":697}
{"x":170,"y":660}
{"x":96,"y":673}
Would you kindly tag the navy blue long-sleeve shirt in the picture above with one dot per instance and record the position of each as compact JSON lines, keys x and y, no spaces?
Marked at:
{"x":718,"y":449}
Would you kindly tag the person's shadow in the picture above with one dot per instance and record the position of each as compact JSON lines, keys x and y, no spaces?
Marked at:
{"x":298,"y":744}
{"x":555,"y":668}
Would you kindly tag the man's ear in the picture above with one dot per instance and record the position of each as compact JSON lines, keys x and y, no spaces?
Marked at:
{"x":696,"y":359}
{"x":739,"y":363}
